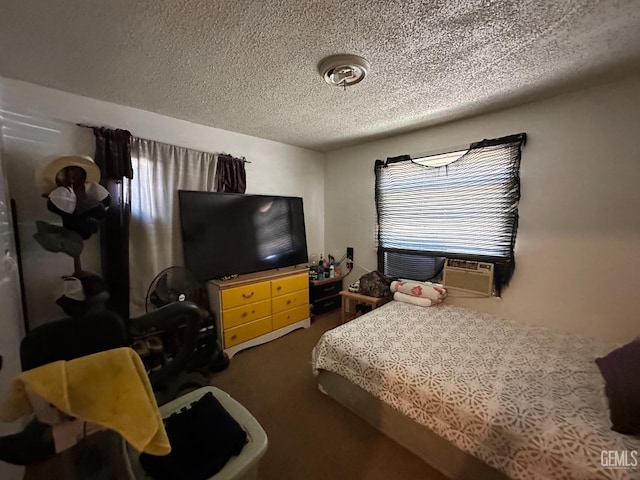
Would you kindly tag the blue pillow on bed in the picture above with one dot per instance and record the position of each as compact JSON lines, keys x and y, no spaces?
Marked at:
{"x":622,"y":386}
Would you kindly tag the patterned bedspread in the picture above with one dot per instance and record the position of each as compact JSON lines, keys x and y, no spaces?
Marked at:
{"x":526,"y":400}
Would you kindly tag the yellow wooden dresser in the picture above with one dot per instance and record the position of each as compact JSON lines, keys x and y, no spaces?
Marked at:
{"x":257,"y":308}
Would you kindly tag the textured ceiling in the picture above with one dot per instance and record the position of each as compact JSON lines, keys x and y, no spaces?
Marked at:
{"x":251,"y":66}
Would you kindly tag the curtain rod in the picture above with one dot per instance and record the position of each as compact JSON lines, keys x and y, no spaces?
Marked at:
{"x":82,"y":125}
{"x":518,"y":137}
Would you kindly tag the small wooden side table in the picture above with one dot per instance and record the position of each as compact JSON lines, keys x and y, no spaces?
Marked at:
{"x":351,"y":297}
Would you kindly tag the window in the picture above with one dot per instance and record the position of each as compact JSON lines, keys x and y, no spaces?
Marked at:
{"x":458,"y":205}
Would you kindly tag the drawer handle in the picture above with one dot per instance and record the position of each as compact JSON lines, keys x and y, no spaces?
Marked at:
{"x":244,"y":314}
{"x":279,"y":287}
{"x":234,"y":336}
{"x":244,"y":295}
{"x":327,"y":289}
{"x":288,"y":302}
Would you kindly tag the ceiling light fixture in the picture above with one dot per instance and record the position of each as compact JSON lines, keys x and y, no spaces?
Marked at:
{"x":343,"y":70}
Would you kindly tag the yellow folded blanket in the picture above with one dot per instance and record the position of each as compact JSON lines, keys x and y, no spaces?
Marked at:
{"x":109,"y":388}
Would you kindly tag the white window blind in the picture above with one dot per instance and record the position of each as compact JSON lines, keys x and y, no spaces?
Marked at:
{"x":467,"y":208}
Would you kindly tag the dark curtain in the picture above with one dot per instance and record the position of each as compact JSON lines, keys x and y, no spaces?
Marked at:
{"x":230,"y":174}
{"x":113,"y":156}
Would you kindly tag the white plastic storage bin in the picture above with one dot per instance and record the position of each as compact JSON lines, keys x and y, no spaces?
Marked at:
{"x":241,"y":467}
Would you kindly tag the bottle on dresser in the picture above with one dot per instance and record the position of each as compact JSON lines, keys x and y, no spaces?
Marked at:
{"x":313,"y":267}
{"x":321,"y":268}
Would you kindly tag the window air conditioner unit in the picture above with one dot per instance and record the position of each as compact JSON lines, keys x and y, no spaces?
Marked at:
{"x":468,"y":276}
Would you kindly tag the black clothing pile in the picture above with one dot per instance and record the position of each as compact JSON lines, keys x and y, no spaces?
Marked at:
{"x":203,"y":438}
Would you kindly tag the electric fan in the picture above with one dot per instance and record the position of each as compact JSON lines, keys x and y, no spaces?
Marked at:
{"x":174,"y":284}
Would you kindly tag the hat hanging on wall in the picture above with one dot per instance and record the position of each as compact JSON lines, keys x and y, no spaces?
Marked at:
{"x":46,"y":174}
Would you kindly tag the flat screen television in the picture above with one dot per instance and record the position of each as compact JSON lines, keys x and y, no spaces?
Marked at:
{"x":229,"y":233}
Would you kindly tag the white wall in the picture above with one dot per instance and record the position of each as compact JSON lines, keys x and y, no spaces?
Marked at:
{"x":578,"y":247}
{"x":578,"y":244}
{"x":40,"y":122}
{"x":11,"y":322}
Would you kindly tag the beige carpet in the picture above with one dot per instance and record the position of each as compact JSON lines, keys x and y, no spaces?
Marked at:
{"x":310,"y":435}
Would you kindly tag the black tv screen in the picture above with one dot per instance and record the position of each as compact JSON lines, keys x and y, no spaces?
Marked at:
{"x":229,"y":233}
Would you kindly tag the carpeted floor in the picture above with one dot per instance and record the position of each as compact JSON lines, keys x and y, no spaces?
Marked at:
{"x":310,"y":435}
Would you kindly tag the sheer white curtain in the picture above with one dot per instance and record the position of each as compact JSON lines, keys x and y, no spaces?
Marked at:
{"x":155,"y":241}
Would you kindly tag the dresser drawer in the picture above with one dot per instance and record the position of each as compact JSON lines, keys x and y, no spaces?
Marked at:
{"x":286,"y":302}
{"x":325,"y":304}
{"x":237,"y":296}
{"x":246,"y":313}
{"x":288,"y":317}
{"x":247,"y":331}
{"x":326,"y":289}
{"x":283,"y":286}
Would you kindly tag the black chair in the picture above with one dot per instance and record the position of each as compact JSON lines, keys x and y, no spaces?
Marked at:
{"x":94,"y":332}
{"x":75,"y":337}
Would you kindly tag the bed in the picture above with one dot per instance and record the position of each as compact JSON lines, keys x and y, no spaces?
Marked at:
{"x":474,"y":395}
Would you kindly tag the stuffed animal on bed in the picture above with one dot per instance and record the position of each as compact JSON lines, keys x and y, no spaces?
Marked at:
{"x":423,"y":294}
